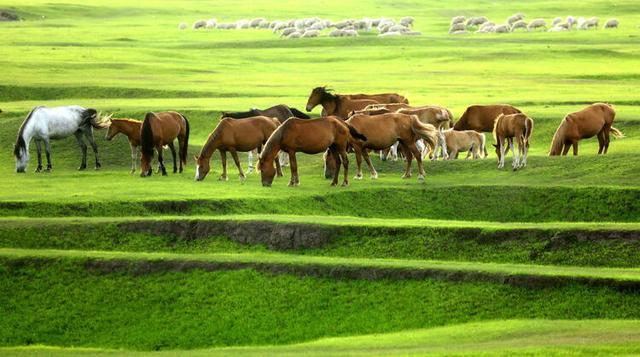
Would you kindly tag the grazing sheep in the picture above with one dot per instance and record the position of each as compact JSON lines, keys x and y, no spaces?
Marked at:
{"x":280,"y":26}
{"x":571,"y":21}
{"x":580,"y":22}
{"x":211,"y":24}
{"x":556,"y":21}
{"x":182,"y":26}
{"x":536,"y":24}
{"x":398,"y":28}
{"x":407,"y":21}
{"x":288,"y":31}
{"x":591,"y":23}
{"x":349,"y":33}
{"x":487,"y":25}
{"x":200,"y":24}
{"x":458,"y":20}
{"x":335,"y":33}
{"x":501,"y":29}
{"x":364,"y":24}
{"x":520,"y":24}
{"x":558,"y":28}
{"x":342,"y":24}
{"x":311,"y":33}
{"x":457,"y":27}
{"x":242,"y":24}
{"x":476,"y":21}
{"x":256,"y":22}
{"x":295,"y":34}
{"x":515,"y":18}
{"x":611,"y":23}
{"x":317,"y":26}
{"x":265,"y":24}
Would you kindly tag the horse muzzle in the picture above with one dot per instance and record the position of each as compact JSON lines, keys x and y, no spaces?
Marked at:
{"x":308,"y":108}
{"x":21,"y":170}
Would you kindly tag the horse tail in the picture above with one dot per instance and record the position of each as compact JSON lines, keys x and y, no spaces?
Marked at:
{"x":298,"y":114}
{"x":146,"y":136}
{"x":355,"y":134}
{"x":427,"y":133}
{"x":528,"y":125}
{"x":185,"y":143}
{"x":617,"y":133}
{"x":558,"y":139}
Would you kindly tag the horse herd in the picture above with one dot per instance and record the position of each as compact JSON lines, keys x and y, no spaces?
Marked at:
{"x":359,"y":123}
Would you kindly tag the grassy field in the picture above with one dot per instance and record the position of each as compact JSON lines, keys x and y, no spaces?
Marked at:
{"x":474,"y":260}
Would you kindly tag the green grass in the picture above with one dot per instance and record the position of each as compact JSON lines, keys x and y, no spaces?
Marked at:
{"x":496,"y":338}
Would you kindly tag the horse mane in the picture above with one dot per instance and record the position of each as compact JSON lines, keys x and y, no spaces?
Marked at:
{"x":146,"y":135}
{"x":127,"y":120}
{"x":557,"y":142}
{"x":211,"y":138}
{"x":20,"y":143}
{"x":241,"y":115}
{"x":275,"y":137}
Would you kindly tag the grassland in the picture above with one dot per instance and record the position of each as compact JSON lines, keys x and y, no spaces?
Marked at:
{"x":472,"y":261}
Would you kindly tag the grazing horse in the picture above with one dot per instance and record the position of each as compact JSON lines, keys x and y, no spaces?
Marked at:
{"x":505,"y":129}
{"x":158,"y":130}
{"x":596,"y":119}
{"x":281,"y":112}
{"x":453,"y":142}
{"x":131,"y":128}
{"x":335,"y":104}
{"x":384,"y":130}
{"x":43,"y":124}
{"x":481,"y":117}
{"x":235,"y":135}
{"x":310,"y":137}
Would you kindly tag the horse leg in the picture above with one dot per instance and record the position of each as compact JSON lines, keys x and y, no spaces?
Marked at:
{"x":47,"y":151}
{"x":416,"y":153}
{"x":453,"y":154}
{"x":234,"y":154}
{"x":503,"y":149}
{"x":89,"y":134}
{"x":173,"y":154}
{"x":278,"y":168}
{"x":515,"y":162}
{"x":134,"y":157}
{"x":359,"y":153}
{"x":293,"y":165}
{"x":607,"y":139}
{"x":83,"y":147}
{"x":250,"y":160}
{"x":333,"y":154}
{"x":601,"y":142}
{"x":223,"y":160}
{"x":567,"y":146}
{"x":345,"y":165}
{"x":575,"y":148}
{"x":367,"y":159}
{"x":408,"y":156}
{"x":161,"y":161}
{"x":39,"y":149}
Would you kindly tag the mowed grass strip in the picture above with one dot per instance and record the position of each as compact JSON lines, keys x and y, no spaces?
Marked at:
{"x":497,"y":338}
{"x":604,"y":276}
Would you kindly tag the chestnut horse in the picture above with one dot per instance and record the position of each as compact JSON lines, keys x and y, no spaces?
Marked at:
{"x":235,"y":135}
{"x":481,"y":117}
{"x":131,"y":128}
{"x":383,"y":131}
{"x":453,"y":142}
{"x":158,"y":130}
{"x":596,"y":119}
{"x":310,"y":137}
{"x":505,"y":129}
{"x":335,"y":104}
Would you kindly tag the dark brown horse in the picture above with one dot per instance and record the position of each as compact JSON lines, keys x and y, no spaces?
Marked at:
{"x":158,"y":130}
{"x":596,"y":119}
{"x":280,"y":111}
{"x":310,"y":137}
{"x":235,"y":135}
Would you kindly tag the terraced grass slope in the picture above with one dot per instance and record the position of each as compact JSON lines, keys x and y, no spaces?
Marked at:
{"x":472,"y":261}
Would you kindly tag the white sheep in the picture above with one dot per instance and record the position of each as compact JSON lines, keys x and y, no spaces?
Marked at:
{"x":514,"y":18}
{"x":458,"y":20}
{"x":265,"y":24}
{"x":288,"y":31}
{"x":349,"y":33}
{"x":407,"y":21}
{"x":256,"y":22}
{"x":571,"y":21}
{"x":335,"y":33}
{"x":591,"y":23}
{"x":580,"y":22}
{"x":556,"y":21}
{"x":296,"y":34}
{"x":364,"y":24}
{"x":501,"y":29}
{"x":311,"y":33}
{"x":182,"y":26}
{"x":242,"y":24}
{"x":487,"y":25}
{"x":398,"y":28}
{"x":536,"y":24}
{"x":557,"y":28}
{"x":487,"y":29}
{"x":211,"y":23}
{"x":611,"y":23}
{"x":476,"y":21}
{"x":457,"y":27}
{"x":200,"y":24}
{"x":520,"y":24}
{"x":342,"y":24}
{"x":279,"y":27}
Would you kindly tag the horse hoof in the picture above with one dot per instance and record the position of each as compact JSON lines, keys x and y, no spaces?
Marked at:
{"x":38,"y":169}
{"x":82,"y":168}
{"x":243,"y":178}
{"x":98,"y":166}
{"x":291,"y":184}
{"x":357,"y":177}
{"x":420,"y":177}
{"x":374,"y":176}
{"x":132,"y":172}
{"x":345,"y":184}
{"x":164,"y":173}
{"x":223,"y":178}
{"x":334,"y":184}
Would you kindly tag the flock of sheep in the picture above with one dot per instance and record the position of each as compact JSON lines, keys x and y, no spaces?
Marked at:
{"x":461,"y":25}
{"x":314,"y":27}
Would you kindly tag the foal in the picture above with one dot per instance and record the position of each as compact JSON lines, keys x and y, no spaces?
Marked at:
{"x":131,"y":128}
{"x":508,"y":127}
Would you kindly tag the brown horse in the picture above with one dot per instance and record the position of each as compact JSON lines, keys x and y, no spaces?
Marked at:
{"x":158,"y":130}
{"x":453,"y":142}
{"x":439,"y":117}
{"x":235,"y":135}
{"x":310,"y":137}
{"x":131,"y":128}
{"x":596,"y":119}
{"x":481,"y":117}
{"x":381,"y":98}
{"x":384,"y":130}
{"x":505,"y":129}
{"x":335,"y":104}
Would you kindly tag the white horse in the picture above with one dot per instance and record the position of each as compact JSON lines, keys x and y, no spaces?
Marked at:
{"x":43,"y":124}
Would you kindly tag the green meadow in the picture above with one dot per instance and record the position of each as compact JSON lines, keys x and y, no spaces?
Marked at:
{"x":472,"y":261}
